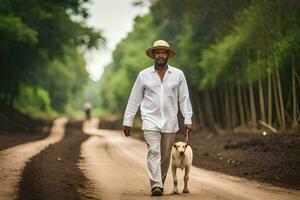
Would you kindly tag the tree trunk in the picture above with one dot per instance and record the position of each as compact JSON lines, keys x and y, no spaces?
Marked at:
{"x":227,"y":108}
{"x":252,"y":106}
{"x":8,"y":93}
{"x":277,"y":107}
{"x":270,"y":113}
{"x":12,"y":98}
{"x":221,"y":92}
{"x":261,"y":100}
{"x":247,"y":106}
{"x":294,"y":94}
{"x":281,"y":103}
{"x":12,"y":94}
{"x":241,"y":108}
{"x":200,"y":110}
{"x":208,"y":109}
{"x":194,"y":102}
{"x":232,"y":106}
{"x":216,"y":106}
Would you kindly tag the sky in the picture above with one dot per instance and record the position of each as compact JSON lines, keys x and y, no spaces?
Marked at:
{"x":115,"y":19}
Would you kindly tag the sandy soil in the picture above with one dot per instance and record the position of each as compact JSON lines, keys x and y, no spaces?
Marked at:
{"x":116,"y":167}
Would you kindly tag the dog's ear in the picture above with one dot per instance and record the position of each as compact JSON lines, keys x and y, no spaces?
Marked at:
{"x":174,"y":145}
{"x":186,"y":145}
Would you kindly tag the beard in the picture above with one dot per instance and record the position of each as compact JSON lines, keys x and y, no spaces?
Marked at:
{"x":161,"y":63}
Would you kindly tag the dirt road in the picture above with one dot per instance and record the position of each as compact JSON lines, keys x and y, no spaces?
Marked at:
{"x":116,"y":167}
{"x":109,"y":166}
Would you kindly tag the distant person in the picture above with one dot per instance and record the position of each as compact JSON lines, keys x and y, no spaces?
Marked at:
{"x":159,"y":89}
{"x":87,"y":110}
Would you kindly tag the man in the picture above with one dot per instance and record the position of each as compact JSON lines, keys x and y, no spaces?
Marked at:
{"x":158,"y":89}
{"x":87,"y":107}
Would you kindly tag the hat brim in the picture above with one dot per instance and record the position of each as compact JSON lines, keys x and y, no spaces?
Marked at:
{"x":171,"y":51}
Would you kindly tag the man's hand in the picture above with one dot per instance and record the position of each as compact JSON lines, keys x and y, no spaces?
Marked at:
{"x":188,"y":128}
{"x":126,"y":130}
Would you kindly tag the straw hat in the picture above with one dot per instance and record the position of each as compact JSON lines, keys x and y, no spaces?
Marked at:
{"x":160,"y":44}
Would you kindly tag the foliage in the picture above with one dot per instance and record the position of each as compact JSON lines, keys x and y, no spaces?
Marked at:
{"x":41,"y":46}
{"x":217,"y":42}
{"x":34,"y":101}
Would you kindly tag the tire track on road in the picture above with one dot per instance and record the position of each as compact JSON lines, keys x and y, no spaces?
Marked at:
{"x":13,"y":160}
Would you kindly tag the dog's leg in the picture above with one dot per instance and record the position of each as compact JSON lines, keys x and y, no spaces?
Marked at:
{"x":186,"y":178}
{"x":175,"y":190}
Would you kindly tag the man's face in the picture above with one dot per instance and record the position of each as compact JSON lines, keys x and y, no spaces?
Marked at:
{"x":161,"y":57}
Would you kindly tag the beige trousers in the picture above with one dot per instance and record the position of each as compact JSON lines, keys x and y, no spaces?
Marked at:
{"x":158,"y":158}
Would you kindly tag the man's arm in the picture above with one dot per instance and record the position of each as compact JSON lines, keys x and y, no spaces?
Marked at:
{"x":135,"y":99}
{"x":185,"y":104}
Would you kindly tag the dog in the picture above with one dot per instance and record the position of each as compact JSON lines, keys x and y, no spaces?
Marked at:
{"x":182,"y":157}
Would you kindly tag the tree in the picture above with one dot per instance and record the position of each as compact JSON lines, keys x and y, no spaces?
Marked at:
{"x":38,"y":35}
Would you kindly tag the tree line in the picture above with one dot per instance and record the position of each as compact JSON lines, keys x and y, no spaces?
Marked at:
{"x":42,"y":68}
{"x":241,"y":59}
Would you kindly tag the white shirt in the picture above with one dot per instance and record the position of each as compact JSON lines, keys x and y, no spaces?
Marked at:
{"x":159,"y":100}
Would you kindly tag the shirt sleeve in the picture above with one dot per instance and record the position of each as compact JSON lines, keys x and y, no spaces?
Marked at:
{"x":184,"y":100}
{"x":135,"y":99}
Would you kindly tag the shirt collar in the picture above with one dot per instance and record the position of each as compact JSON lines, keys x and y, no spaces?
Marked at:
{"x":168,"y":70}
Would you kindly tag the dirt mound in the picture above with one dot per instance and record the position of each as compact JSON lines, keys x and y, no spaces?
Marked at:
{"x":273,"y":158}
{"x":113,"y":122}
{"x":17,"y":128}
{"x":13,"y":120}
{"x":53,"y":173}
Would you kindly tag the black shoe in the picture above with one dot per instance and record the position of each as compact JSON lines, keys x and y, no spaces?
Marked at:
{"x":157,"y":191}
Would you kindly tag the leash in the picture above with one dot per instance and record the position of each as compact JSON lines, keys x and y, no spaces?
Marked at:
{"x":187,"y":136}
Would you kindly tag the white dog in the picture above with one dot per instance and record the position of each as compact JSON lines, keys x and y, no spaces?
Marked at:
{"x":182,"y":157}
